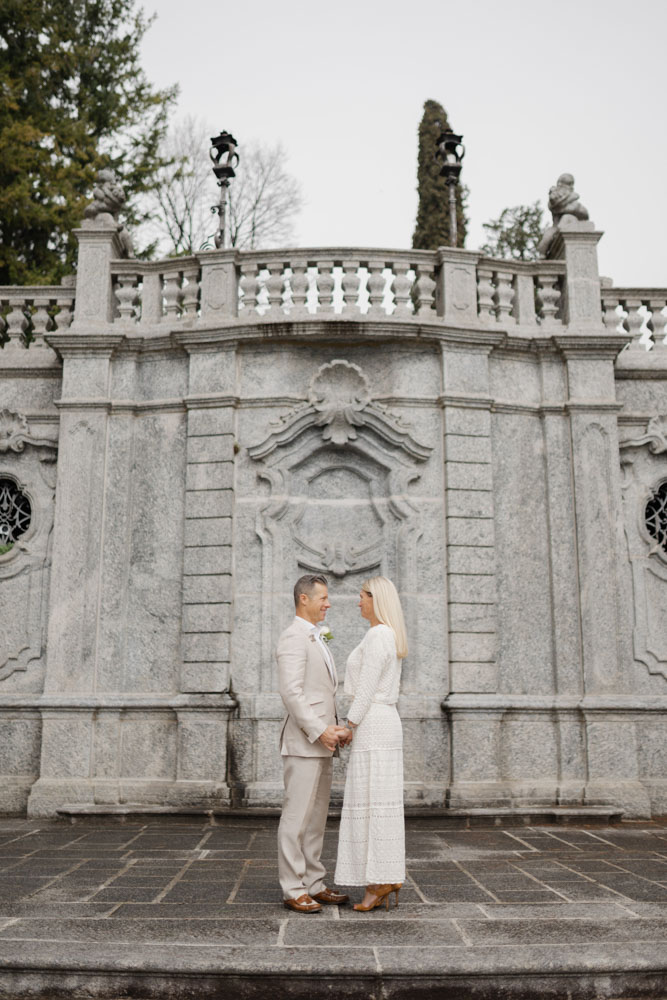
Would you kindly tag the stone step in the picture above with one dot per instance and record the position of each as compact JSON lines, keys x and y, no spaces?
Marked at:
{"x":454,"y":818}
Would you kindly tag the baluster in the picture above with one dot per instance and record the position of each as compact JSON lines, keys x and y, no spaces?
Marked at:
{"x":190,"y":291}
{"x":658,"y":323}
{"x":41,"y":321}
{"x":351,"y":283}
{"x":275,"y":285}
{"x":63,"y":318}
{"x":324,"y":283}
{"x":610,"y":316}
{"x":4,"y":336}
{"x":298,"y":284}
{"x":486,"y":307}
{"x":16,"y":319}
{"x":250,"y":287}
{"x":548,"y":298}
{"x":633,"y":323}
{"x":171,"y":293}
{"x":375,"y":285}
{"x":400,"y":287}
{"x":504,"y":296}
{"x":423,"y":290}
{"x":126,"y":293}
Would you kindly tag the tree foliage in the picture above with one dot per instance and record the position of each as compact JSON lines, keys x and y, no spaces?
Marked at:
{"x":516,"y":233}
{"x":73,"y":98}
{"x":263,"y":199}
{"x":432,"y":227}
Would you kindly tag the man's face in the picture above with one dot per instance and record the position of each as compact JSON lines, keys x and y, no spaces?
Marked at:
{"x":315,"y":607}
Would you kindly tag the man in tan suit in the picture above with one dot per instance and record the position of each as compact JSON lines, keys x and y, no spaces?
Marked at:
{"x":310,"y":736}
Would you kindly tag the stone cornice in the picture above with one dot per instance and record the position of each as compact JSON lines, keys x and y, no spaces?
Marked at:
{"x":469,"y":400}
{"x":69,"y":345}
{"x":501,"y":703}
{"x":122,"y":405}
{"x":602,"y":346}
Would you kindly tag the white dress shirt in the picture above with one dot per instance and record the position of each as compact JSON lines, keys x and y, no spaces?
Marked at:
{"x":317,"y":630}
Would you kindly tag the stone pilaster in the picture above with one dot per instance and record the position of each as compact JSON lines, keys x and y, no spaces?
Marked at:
{"x":469,"y":513}
{"x":209,"y":501}
{"x":67,"y":738}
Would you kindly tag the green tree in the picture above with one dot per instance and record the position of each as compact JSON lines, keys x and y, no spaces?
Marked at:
{"x":432,"y":227}
{"x":516,"y":233}
{"x":73,"y":98}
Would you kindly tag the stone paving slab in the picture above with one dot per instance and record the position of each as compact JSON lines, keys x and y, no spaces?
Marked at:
{"x":163,"y":908}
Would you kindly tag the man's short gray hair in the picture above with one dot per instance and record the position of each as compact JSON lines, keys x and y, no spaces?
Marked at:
{"x":306,"y":585}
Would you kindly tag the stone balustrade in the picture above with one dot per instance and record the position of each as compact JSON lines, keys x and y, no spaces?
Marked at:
{"x":349,"y":283}
{"x":28,"y":312}
{"x":450,"y":286}
{"x":148,"y":292}
{"x":641,"y":312}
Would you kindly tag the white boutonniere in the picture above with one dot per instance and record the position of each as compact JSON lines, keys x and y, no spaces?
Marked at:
{"x":326,"y":636}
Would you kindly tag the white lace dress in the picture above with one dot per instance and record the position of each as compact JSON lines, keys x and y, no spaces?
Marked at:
{"x":371,"y":845}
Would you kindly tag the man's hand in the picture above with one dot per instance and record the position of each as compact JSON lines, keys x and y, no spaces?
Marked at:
{"x":330,"y":737}
{"x":344,"y":735}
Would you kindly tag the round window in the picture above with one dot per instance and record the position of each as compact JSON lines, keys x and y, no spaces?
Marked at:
{"x":655,"y":514}
{"x":15,"y":514}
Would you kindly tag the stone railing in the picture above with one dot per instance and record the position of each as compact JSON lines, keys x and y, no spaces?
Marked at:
{"x":349,"y":283}
{"x":28,"y":312}
{"x":640,"y":312}
{"x":451,"y":287}
{"x":148,"y":292}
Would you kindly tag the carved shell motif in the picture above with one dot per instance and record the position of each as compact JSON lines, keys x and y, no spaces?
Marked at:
{"x":339,"y":392}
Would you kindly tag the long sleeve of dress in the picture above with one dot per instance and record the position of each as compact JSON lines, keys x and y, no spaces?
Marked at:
{"x":378,"y":652}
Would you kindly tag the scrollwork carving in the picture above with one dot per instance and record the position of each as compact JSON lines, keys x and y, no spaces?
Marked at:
{"x":339,"y":401}
{"x":15,"y":433}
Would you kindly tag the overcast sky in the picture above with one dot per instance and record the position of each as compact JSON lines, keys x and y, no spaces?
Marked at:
{"x":536,"y":88}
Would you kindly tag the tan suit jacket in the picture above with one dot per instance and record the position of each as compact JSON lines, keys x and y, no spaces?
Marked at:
{"x":307,"y":691}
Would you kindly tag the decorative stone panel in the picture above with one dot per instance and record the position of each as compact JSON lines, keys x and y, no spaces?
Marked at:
{"x":644,"y":485}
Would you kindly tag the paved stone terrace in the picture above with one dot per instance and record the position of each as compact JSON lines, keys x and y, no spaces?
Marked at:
{"x":183,"y":907}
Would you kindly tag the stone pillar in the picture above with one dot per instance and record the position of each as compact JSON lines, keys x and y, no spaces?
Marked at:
{"x":219,"y":292}
{"x":456,"y":288}
{"x":469,"y":513}
{"x":95,"y":302}
{"x":576,"y":243}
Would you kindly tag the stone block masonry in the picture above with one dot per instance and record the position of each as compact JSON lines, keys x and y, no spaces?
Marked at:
{"x":183,"y":438}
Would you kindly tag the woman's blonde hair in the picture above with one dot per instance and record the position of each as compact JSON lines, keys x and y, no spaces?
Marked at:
{"x":387,"y":608}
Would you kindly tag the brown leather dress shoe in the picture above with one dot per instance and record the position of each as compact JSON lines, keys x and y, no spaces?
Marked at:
{"x":331,"y":896}
{"x":303,"y":904}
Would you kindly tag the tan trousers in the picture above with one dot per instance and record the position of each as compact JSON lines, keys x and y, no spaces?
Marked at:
{"x":302,"y":823}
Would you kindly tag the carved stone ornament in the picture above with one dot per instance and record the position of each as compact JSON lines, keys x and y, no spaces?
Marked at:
{"x":108,"y":200}
{"x":340,"y":402}
{"x":566,"y":211}
{"x":15,"y":433}
{"x":655,"y":436}
{"x":644,"y":490}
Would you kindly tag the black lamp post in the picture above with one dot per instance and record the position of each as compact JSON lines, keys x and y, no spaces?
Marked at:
{"x":451,"y":151}
{"x":225,"y":158}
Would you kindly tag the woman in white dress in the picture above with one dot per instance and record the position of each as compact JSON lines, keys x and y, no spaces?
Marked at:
{"x":371,"y":846}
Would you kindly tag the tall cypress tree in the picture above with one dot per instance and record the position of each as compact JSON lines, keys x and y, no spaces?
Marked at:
{"x":432,"y":228}
{"x":73,"y":98}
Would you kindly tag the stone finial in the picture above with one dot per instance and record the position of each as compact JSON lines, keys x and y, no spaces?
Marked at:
{"x":565,"y":208}
{"x":108,"y":200}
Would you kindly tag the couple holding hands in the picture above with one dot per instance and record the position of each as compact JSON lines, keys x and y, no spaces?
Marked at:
{"x":371,"y":845}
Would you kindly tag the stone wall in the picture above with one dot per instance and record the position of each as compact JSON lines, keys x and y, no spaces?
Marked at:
{"x":477,"y":430}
